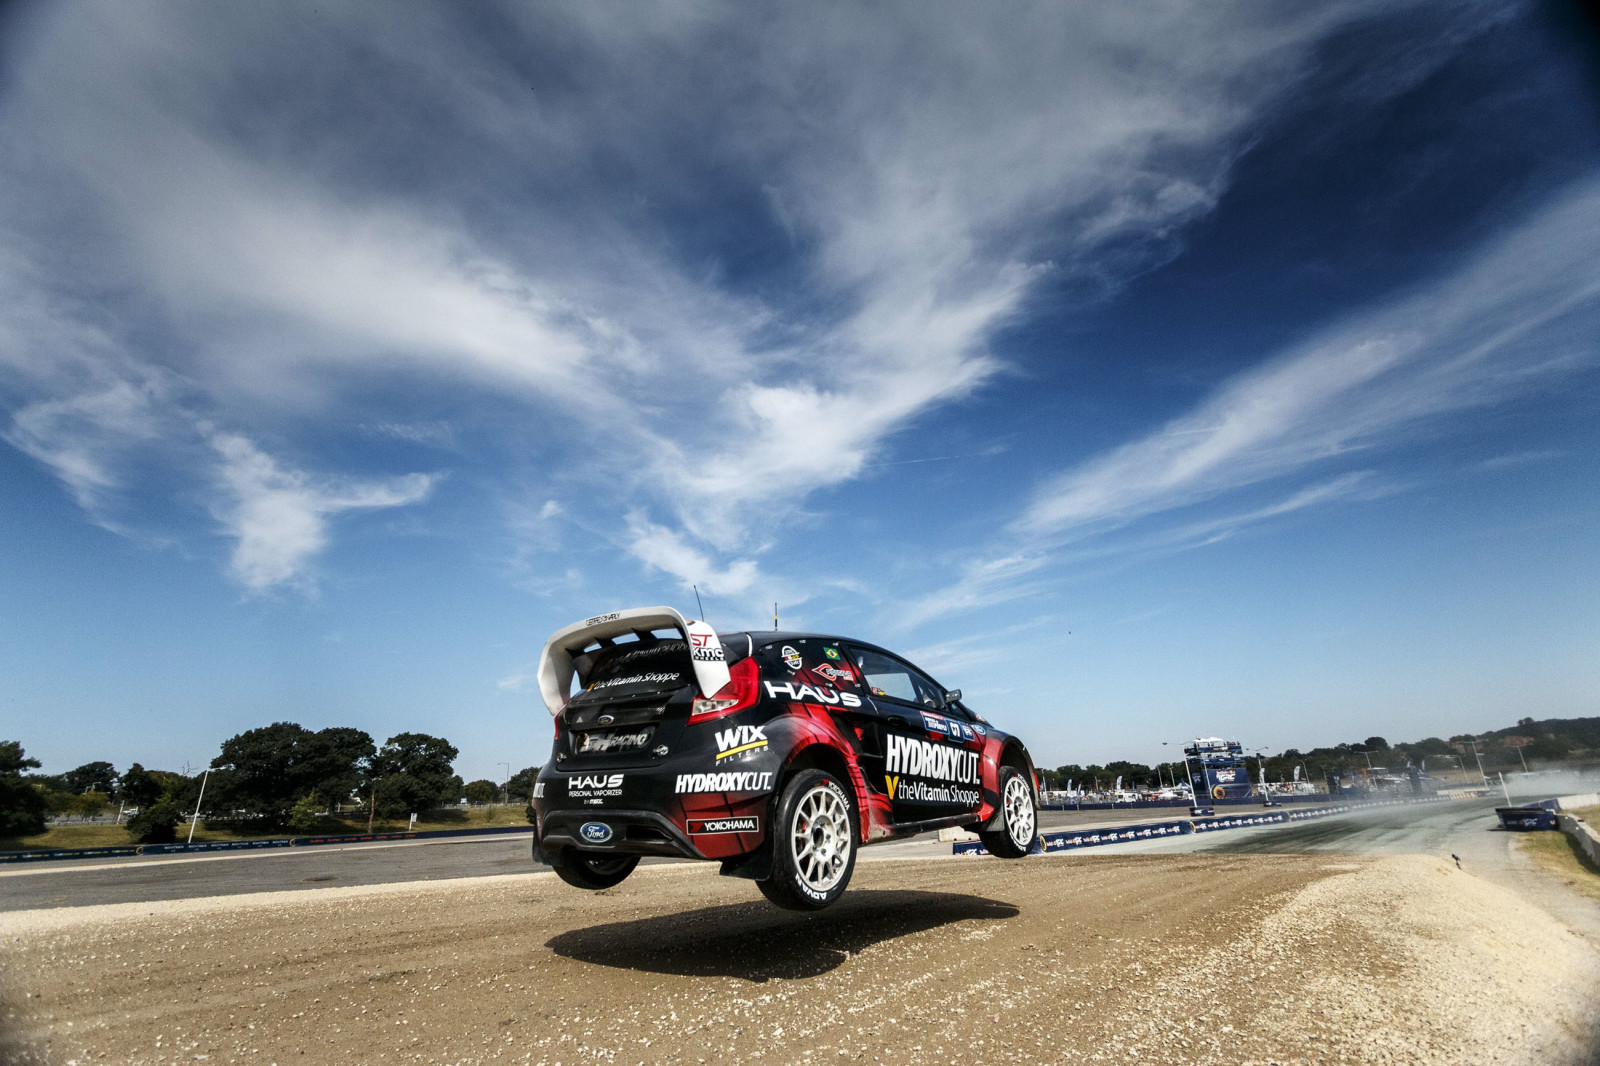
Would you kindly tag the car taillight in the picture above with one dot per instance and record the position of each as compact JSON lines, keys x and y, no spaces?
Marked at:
{"x":740,"y":692}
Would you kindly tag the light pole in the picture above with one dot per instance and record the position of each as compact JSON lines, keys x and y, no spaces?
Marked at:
{"x":196,"y":817}
{"x":1194,"y":797}
{"x":1457,"y":759}
{"x":1261,"y":766}
{"x":505,"y":787}
{"x":1479,"y":756}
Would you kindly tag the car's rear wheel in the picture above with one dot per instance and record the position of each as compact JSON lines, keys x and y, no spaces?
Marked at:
{"x":814,"y":834}
{"x":1019,"y":817}
{"x":588,"y":869}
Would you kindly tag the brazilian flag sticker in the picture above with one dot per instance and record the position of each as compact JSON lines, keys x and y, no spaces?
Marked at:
{"x":832,"y":653}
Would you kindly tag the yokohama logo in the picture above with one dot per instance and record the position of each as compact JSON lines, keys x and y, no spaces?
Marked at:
{"x":747,"y":781}
{"x":698,"y":826}
{"x":920,"y":758}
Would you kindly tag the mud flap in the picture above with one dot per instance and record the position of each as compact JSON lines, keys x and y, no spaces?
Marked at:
{"x":757,"y":865}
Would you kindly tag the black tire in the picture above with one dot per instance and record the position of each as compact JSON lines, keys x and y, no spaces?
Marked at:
{"x":592,"y":870}
{"x":815,"y":833}
{"x":1019,"y":812}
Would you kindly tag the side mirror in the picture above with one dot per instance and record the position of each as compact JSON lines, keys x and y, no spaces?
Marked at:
{"x":953,"y":696}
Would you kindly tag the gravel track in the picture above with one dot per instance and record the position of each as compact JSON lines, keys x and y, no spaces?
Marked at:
{"x":1114,"y":959}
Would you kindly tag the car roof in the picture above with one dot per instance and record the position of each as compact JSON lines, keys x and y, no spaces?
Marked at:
{"x":759,"y":637}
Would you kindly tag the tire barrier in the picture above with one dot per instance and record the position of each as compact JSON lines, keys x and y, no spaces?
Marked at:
{"x":128,"y":850}
{"x":1074,"y":839}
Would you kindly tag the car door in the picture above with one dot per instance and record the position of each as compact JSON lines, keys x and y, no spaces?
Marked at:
{"x":930,"y":756}
{"x":822,"y":664}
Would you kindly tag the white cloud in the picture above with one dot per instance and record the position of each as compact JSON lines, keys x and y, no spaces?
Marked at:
{"x":279,"y":517}
{"x":1519,"y":312}
{"x":516,"y":682}
{"x":1518,"y":315}
{"x":666,"y":550}
{"x":81,"y":438}
{"x":291,"y":235}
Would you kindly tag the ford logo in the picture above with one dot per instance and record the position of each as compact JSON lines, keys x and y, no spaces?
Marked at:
{"x":607,"y":719}
{"x":595,"y":832}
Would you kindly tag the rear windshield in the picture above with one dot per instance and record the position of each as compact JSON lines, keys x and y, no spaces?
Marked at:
{"x":635,"y":669}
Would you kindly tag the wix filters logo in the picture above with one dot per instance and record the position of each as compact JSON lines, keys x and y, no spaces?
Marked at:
{"x":740,"y":739}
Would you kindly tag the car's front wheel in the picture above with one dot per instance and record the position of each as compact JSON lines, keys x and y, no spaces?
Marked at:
{"x":591,"y":870}
{"x":814,"y":834}
{"x":1019,"y":817}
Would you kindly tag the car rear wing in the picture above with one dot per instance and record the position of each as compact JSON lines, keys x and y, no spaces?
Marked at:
{"x":557,"y":664}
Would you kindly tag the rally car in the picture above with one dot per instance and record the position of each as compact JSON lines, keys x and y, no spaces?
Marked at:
{"x":777,"y":754}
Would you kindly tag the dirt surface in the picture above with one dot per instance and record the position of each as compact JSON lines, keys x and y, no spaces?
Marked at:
{"x":1115,"y":959}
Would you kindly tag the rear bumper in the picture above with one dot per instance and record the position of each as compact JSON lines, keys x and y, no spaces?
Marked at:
{"x":659,"y":809}
{"x":633,"y":832}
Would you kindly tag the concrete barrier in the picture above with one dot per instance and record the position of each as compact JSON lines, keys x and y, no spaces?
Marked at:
{"x":1582,"y":799}
{"x":1073,"y":839}
{"x":1582,"y":833}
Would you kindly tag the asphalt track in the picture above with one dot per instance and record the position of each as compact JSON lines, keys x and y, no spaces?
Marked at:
{"x":88,"y":882}
{"x":1439,"y":830}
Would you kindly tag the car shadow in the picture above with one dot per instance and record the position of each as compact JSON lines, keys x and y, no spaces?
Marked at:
{"x":758,"y":942}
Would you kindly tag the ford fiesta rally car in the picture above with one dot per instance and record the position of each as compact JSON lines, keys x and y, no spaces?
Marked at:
{"x":778,"y":754}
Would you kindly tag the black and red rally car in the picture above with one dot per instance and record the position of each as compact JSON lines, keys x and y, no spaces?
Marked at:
{"x":778,"y":754}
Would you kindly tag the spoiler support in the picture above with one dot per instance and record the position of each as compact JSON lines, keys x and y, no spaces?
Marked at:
{"x":556,"y":667}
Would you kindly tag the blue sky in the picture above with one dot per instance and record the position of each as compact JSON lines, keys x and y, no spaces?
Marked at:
{"x":1144,"y":370}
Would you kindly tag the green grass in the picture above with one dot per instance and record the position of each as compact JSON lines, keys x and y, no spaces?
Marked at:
{"x":106,"y":836}
{"x":1560,"y":854}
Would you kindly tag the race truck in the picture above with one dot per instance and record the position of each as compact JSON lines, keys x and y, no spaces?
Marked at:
{"x":776,"y":754}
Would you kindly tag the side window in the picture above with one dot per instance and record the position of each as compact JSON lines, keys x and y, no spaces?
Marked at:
{"x":810,"y":661}
{"x":836,"y":668}
{"x":890,"y":677}
{"x":928,"y":694}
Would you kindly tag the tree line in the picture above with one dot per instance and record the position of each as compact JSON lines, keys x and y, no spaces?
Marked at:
{"x":1528,"y":745}
{"x":277,"y":776}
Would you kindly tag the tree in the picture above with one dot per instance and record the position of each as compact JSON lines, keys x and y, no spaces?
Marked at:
{"x":21,"y":806}
{"x":1375,"y":744}
{"x":156,"y":824}
{"x":330,"y":763}
{"x":91,"y":777}
{"x":481,"y":792}
{"x":140,"y":787}
{"x":265,"y":771}
{"x":520,"y":786}
{"x":257,"y":769}
{"x":90,"y":804}
{"x":306,"y":814}
{"x":412,"y":772}
{"x":57,"y":802}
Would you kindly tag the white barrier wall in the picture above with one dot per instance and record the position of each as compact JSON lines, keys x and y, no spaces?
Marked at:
{"x":1581,"y":832}
{"x":1582,"y":799}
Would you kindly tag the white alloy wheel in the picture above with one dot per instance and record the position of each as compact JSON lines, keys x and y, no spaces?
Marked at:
{"x":1019,"y":811}
{"x":820,"y":836}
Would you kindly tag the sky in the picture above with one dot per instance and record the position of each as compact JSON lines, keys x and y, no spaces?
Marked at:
{"x":1145,"y":370}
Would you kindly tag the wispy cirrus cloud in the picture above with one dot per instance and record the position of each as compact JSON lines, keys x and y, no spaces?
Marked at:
{"x":1520,"y":314}
{"x":287,"y":231}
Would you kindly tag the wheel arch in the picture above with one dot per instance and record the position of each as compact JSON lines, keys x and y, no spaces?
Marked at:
{"x":1013,"y":753}
{"x":819,"y":755}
